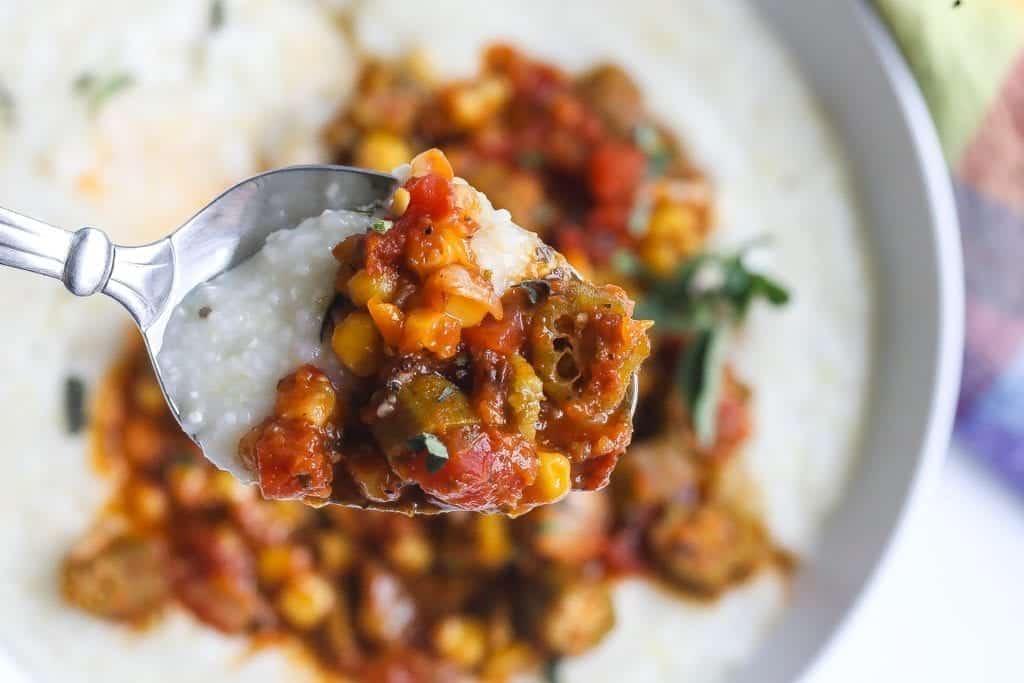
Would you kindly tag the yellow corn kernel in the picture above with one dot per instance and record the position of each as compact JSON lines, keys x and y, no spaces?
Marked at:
{"x":357,"y":343}
{"x":389,"y":319}
{"x":472,"y":105}
{"x":149,"y":397}
{"x":188,"y":484}
{"x":554,"y":478}
{"x":306,"y":395}
{"x":276,"y":564}
{"x":305,"y":600}
{"x":508,"y":662}
{"x":659,"y":258}
{"x":148,"y":503}
{"x":432,"y":161}
{"x":430,"y":253}
{"x":419,"y":64}
{"x":400,"y":201}
{"x":469,"y":312}
{"x":143,"y":441}
{"x":411,"y":553}
{"x":362,"y":287}
{"x":428,"y":329}
{"x":493,"y":547}
{"x":334,"y":552}
{"x":223,"y":487}
{"x":461,"y":640}
{"x":674,"y":232}
{"x":381,"y":151}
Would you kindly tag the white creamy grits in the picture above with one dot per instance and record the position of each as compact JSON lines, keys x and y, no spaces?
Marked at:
{"x":160,"y":150}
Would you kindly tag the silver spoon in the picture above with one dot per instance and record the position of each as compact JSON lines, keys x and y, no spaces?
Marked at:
{"x":151,"y":280}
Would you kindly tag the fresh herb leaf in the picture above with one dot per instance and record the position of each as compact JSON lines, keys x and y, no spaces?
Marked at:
{"x":6,"y":106}
{"x":705,"y":291}
{"x":217,"y":15}
{"x":551,"y":671}
{"x":74,"y":404}
{"x":536,"y":290}
{"x":96,"y":90}
{"x":381,"y":225}
{"x":651,"y":143}
{"x":699,"y":378}
{"x":640,"y":215}
{"x":437,"y":452}
{"x":702,"y":300}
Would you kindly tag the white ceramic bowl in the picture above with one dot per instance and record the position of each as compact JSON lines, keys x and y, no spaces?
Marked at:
{"x":900,"y":175}
{"x":860,"y":78}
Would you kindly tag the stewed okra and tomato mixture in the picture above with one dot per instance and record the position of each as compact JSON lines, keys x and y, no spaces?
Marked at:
{"x":454,"y":397}
{"x":376,"y":596}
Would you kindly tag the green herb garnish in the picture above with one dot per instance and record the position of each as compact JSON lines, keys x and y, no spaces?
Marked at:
{"x":381,"y":225}
{"x":551,"y":671}
{"x":6,"y":106}
{"x":536,"y":290}
{"x":74,"y":404}
{"x":96,"y":90}
{"x":437,"y":452}
{"x":703,"y":299}
{"x":217,"y":15}
{"x":651,"y":143}
{"x":699,"y":377}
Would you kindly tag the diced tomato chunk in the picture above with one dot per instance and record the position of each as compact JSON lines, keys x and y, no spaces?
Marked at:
{"x":290,"y":458}
{"x":485,"y":470}
{"x":614,"y":171}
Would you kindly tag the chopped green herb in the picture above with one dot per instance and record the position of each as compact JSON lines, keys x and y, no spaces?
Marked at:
{"x":96,"y":91}
{"x":217,"y":15}
{"x":437,"y":452}
{"x":651,"y":143}
{"x":536,"y":290}
{"x":381,"y":225}
{"x":640,"y":215}
{"x":446,"y":393}
{"x":74,"y":404}
{"x":703,"y":299}
{"x":6,"y":106}
{"x":699,"y":378}
{"x":686,"y":302}
{"x":625,"y":262}
{"x":551,"y":671}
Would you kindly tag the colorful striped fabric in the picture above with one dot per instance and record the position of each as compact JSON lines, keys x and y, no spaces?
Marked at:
{"x":968,"y":56}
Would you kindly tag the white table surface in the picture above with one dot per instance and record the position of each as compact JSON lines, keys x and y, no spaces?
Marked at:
{"x":948,"y":605}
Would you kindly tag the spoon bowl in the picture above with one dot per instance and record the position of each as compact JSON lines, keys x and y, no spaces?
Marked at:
{"x":151,"y":280}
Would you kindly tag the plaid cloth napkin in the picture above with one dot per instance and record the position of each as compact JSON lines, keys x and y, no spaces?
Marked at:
{"x":968,"y":57}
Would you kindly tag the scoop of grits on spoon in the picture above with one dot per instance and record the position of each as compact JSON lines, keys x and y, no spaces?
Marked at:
{"x":338,"y":335}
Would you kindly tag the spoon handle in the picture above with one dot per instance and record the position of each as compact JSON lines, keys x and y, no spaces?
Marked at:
{"x":82,"y":260}
{"x":87,"y":262}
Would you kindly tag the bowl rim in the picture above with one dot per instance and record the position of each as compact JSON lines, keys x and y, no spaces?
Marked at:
{"x":945,"y":227}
